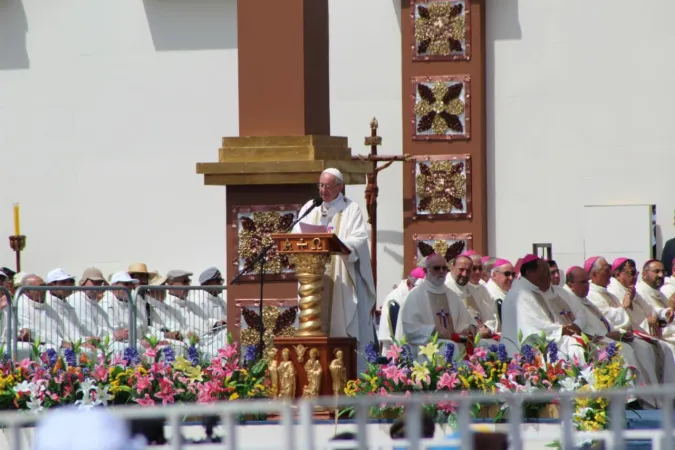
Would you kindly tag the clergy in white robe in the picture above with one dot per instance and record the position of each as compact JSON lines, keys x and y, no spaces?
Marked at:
{"x":349,"y":290}
{"x":488,"y":264}
{"x":36,"y":320}
{"x":385,"y":333}
{"x":58,"y":297}
{"x":502,"y":276}
{"x":648,"y":288}
{"x":617,"y":314}
{"x":465,"y":272}
{"x":636,"y":352}
{"x":433,"y":308}
{"x":211,"y":297}
{"x":165,"y":322}
{"x":525,"y":310}
{"x":117,"y":306}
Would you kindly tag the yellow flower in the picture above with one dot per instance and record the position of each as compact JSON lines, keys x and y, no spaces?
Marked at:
{"x":419,"y":372}
{"x":194,"y":373}
{"x":141,"y":370}
{"x":429,"y":350}
{"x":350,"y":389}
{"x":182,"y":364}
{"x":234,"y":396}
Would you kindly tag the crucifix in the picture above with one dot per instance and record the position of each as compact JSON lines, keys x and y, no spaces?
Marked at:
{"x":443,"y":318}
{"x":372,"y":189}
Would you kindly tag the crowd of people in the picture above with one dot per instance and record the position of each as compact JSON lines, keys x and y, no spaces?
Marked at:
{"x":168,"y":311}
{"x":608,"y":302}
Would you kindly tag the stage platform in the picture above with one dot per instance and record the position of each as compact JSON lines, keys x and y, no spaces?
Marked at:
{"x":268,"y":435}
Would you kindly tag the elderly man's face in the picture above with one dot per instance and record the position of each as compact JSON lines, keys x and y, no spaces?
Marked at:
{"x":601,"y":276}
{"x":36,"y":296}
{"x":628,"y":276}
{"x":654,"y":274}
{"x":476,"y":271}
{"x":329,"y":187}
{"x":62,"y":293}
{"x":461,"y":270}
{"x":503,"y":276}
{"x":142,"y":278}
{"x":436,"y":270}
{"x":543,"y":275}
{"x":180,"y":293}
{"x":555,"y":275}
{"x":123,"y":294}
{"x":580,"y":286}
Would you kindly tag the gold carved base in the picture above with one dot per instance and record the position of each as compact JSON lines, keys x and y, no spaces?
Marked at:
{"x":310,"y":269}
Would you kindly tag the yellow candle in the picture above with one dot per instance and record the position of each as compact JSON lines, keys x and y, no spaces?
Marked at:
{"x":17,"y":228}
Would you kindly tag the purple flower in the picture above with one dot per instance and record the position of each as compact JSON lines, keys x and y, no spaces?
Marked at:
{"x":69,"y":356}
{"x":449,"y":352}
{"x":502,"y":354}
{"x":406,"y":356}
{"x":371,"y":353}
{"x":527,"y":353}
{"x":52,"y":356}
{"x":611,"y":350}
{"x":131,"y":356}
{"x":552,"y":352}
{"x":193,"y":355}
{"x":251,"y":354}
{"x":492,"y":348}
{"x":169,"y":354}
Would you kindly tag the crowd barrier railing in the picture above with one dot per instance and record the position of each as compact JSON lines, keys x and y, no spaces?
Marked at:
{"x":302,"y":437}
{"x":75,"y":318}
{"x":5,"y":319}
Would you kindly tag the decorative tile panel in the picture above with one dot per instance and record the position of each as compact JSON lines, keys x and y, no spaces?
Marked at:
{"x":441,"y":107}
{"x":442,"y":187}
{"x":441,"y":29}
{"x":280,"y":318}
{"x":254,"y":225}
{"x":447,"y":245}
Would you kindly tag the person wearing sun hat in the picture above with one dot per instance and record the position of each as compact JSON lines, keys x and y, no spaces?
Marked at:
{"x":525,"y":310}
{"x":59,"y":300}
{"x":385,"y":332}
{"x":165,"y":321}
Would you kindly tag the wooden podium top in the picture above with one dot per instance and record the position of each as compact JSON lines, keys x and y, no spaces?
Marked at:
{"x":291,"y":243}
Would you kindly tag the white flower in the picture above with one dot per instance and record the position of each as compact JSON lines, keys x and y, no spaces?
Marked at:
{"x":102,"y":396}
{"x":502,"y":388}
{"x":587,"y":374}
{"x":86,"y":387}
{"x":34,"y":404}
{"x":22,"y":387}
{"x":581,"y":413}
{"x":569,"y":384}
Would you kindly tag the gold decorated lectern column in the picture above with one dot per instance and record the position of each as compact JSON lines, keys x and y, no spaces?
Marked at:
{"x":309,"y":253}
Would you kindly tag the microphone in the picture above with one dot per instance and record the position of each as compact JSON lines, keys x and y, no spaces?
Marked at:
{"x":318,"y":201}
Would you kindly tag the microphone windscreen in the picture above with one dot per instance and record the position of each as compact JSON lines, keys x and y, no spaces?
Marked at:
{"x":318,"y":201}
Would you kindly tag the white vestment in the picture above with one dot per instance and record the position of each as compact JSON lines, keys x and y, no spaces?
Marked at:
{"x":163,"y":319}
{"x":214,"y":306}
{"x":525,"y":310}
{"x":477,"y":300}
{"x":429,"y":306}
{"x":659,"y":303}
{"x":611,"y":308}
{"x":497,"y":295}
{"x":92,"y":317}
{"x":668,"y":287}
{"x":638,"y":353}
{"x":194,"y":318}
{"x":641,"y":310}
{"x":118,"y":313}
{"x":70,"y":330}
{"x":349,"y":292}
{"x":384,"y":333}
{"x":41,"y":319}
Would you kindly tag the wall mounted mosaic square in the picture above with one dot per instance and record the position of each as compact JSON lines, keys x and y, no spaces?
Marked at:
{"x":442,"y":187}
{"x":448,"y":246}
{"x":441,"y":107}
{"x":441,"y":29}
{"x":254,"y":225}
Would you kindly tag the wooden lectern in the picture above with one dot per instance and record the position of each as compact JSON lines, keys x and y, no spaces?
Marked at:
{"x":310,"y":254}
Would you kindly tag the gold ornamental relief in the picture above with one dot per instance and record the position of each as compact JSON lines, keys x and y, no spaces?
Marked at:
{"x":309,"y":263}
{"x":314,"y":371}
{"x":300,"y":352}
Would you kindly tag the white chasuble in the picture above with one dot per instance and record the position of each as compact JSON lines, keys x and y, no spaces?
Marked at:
{"x":611,"y":308}
{"x":668,"y":287}
{"x":641,"y":309}
{"x":41,"y":319}
{"x":429,"y":306}
{"x":477,"y":300}
{"x":659,"y":302}
{"x":525,"y":310}
{"x":349,"y":291}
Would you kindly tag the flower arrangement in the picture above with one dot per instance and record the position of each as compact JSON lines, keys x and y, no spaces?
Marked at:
{"x":87,"y":379}
{"x":536,"y":367}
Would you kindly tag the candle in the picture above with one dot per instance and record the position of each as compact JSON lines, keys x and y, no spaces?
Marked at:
{"x":17,"y":228}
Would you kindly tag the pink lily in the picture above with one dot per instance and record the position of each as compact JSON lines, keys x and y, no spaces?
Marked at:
{"x":448,"y":381}
{"x":145,"y":401}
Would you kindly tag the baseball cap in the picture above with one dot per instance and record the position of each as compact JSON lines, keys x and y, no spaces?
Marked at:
{"x":122,"y":277}
{"x":212,"y":273}
{"x":58,"y":275}
{"x":177,"y":273}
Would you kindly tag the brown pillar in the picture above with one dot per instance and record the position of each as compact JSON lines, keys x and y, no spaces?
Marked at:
{"x":443,"y":42}
{"x":283,"y":67}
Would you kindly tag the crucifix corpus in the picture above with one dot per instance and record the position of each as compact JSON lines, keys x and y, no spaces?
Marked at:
{"x":372,"y":189}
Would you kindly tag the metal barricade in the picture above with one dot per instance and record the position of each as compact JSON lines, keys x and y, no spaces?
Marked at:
{"x":70,"y":316}
{"x":180,"y":316}
{"x":302,"y":436}
{"x":6,"y":320}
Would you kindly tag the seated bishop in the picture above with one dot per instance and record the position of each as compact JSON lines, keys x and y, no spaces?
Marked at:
{"x":617,"y":312}
{"x":527,"y":311}
{"x":465,"y":273}
{"x":349,"y":290}
{"x":431,"y":308}
{"x":37,"y":321}
{"x":394,"y":302}
{"x":502,"y":275}
{"x":651,"y":281}
{"x":636,"y":352}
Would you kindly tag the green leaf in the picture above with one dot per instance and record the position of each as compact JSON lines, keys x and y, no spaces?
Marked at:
{"x":476,"y":339}
{"x":520,"y":337}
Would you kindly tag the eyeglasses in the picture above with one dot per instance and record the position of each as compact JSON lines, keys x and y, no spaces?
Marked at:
{"x":508,"y":274}
{"x":439,"y":268}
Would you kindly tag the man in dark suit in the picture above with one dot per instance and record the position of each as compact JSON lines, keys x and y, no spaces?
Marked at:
{"x":667,"y":255}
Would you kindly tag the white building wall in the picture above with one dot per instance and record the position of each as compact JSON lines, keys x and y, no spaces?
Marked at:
{"x":106,"y":106}
{"x":580,"y":112}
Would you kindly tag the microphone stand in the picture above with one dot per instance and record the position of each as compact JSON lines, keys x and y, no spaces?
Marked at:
{"x":260,"y":258}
